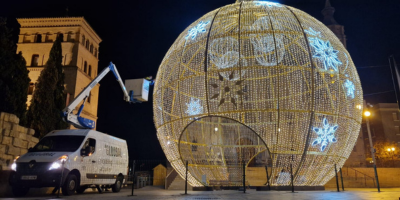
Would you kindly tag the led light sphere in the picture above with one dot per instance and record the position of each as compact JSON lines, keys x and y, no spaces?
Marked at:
{"x":258,"y":84}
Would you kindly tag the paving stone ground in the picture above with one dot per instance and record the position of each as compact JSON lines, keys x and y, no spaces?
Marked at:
{"x":149,"y":192}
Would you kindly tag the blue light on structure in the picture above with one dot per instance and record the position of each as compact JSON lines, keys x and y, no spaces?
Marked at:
{"x":325,"y":134}
{"x":194,"y":107}
{"x":325,"y":52}
{"x":350,"y":88}
{"x":267,"y":3}
{"x":313,"y":32}
{"x":200,"y":28}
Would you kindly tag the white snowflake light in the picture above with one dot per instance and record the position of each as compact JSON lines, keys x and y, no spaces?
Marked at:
{"x":200,"y":28}
{"x":325,"y":134}
{"x":194,"y":107}
{"x":350,"y":88}
{"x":325,"y":52}
{"x":312,"y":32}
{"x":267,"y":3}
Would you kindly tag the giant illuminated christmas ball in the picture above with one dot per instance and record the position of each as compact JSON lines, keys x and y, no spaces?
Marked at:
{"x":258,"y":84}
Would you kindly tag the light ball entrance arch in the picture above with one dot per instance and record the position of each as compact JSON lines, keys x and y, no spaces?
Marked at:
{"x":217,"y":147}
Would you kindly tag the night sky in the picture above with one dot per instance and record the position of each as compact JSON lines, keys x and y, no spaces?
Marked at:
{"x":137,"y":34}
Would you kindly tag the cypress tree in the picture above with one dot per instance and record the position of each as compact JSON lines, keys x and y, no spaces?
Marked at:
{"x":48,"y":100}
{"x":14,"y":79}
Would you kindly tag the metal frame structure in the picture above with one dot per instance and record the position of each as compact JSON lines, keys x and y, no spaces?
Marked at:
{"x":262,"y":71}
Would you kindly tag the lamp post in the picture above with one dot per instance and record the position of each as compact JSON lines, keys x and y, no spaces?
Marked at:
{"x":367,"y":114}
{"x":391,"y":150}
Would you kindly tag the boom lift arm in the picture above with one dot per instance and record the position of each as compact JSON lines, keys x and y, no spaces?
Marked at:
{"x":83,"y":123}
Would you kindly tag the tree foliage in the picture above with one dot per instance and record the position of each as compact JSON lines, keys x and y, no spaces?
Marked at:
{"x":44,"y":114}
{"x":14,"y":79}
{"x":384,"y":158}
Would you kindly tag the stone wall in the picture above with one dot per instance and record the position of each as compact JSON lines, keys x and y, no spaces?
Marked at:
{"x":14,"y":139}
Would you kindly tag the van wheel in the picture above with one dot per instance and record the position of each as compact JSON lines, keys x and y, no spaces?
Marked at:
{"x":118,"y":184}
{"x":81,"y":189}
{"x":19,"y":191}
{"x":70,"y":185}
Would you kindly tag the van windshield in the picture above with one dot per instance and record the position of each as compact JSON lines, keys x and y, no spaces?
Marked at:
{"x":66,"y":143}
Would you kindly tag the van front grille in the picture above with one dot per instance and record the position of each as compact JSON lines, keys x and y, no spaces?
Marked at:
{"x":36,"y":168}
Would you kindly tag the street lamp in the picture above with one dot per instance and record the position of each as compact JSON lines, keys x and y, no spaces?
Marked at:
{"x":391,"y":150}
{"x":367,"y":114}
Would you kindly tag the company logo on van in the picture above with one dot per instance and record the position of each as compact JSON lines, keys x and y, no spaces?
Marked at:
{"x":113,"y":151}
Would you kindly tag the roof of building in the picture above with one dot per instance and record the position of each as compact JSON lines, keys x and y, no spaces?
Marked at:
{"x":58,"y":22}
{"x":328,"y":12}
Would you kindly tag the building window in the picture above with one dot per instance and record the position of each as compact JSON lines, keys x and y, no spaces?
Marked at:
{"x":90,"y":70}
{"x":35,"y":60}
{"x":85,"y":67}
{"x":89,"y":97}
{"x":61,"y":36}
{"x":91,"y":48}
{"x":95,"y":52}
{"x":395,"y":116}
{"x":397,"y":130}
{"x":87,"y":44}
{"x":38,"y":38}
{"x":83,"y":40}
{"x":31,"y":88}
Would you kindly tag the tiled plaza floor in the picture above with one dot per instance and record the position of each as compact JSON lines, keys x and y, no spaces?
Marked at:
{"x":157,"y":193}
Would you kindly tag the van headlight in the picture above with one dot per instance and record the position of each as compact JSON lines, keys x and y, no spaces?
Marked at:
{"x":58,"y":163}
{"x":14,"y":165}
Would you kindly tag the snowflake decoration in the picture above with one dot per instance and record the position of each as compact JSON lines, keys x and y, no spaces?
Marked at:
{"x":313,"y":32}
{"x":350,"y":88}
{"x":200,"y":28}
{"x":325,"y":52}
{"x":267,"y":3}
{"x":325,"y":134}
{"x":229,"y":90}
{"x":194,"y":107}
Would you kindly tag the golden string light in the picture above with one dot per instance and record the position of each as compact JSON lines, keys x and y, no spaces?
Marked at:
{"x":258,"y":83}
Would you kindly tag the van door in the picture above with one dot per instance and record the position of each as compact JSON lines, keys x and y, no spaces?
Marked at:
{"x":89,"y":161}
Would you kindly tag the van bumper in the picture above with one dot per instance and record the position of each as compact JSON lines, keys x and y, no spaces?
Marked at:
{"x":49,"y":179}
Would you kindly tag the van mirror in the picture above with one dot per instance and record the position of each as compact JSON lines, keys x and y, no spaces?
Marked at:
{"x":85,"y":151}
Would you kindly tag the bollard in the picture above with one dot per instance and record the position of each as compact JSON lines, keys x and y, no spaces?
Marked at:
{"x":266,"y":169}
{"x":244,"y":177}
{"x":186,"y":177}
{"x":61,"y":178}
{"x":337,"y":181}
{"x":133,"y":176}
{"x":341,"y":178}
{"x":291,"y":176}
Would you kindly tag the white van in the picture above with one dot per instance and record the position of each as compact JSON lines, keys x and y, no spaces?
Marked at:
{"x":90,"y":158}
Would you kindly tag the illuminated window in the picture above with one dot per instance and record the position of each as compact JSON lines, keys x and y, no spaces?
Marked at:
{"x":395,"y":116}
{"x":35,"y":60}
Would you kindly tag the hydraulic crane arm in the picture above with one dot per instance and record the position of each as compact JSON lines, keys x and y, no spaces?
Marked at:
{"x":77,"y":120}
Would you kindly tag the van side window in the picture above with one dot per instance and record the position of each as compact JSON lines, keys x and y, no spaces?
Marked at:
{"x":92,"y":144}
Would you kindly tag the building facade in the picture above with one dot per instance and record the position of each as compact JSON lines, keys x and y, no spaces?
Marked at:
{"x":385,"y":133}
{"x":80,"y":49}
